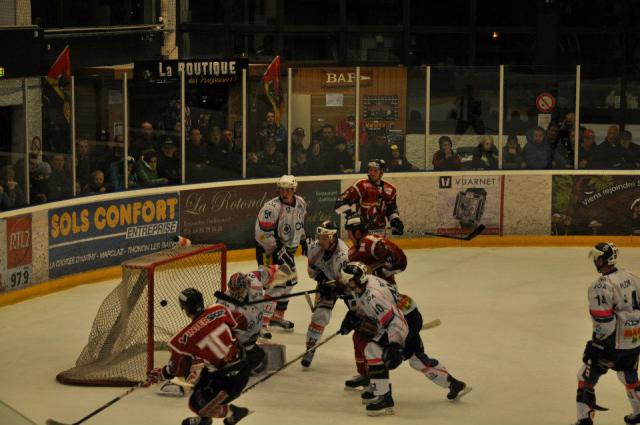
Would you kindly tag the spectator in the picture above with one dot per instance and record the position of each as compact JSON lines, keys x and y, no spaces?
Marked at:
{"x":339,"y":161}
{"x":300,"y":165}
{"x":316,"y":158}
{"x":144,"y":140}
{"x":252,"y":164}
{"x":272,"y":130}
{"x":537,"y":151}
{"x":83,"y":162}
{"x":587,"y":151}
{"x":196,"y":149}
{"x":379,"y":149}
{"x":112,"y":152}
{"x":5,"y":202}
{"x":515,"y":124}
{"x":297,"y":141}
{"x":116,"y":176}
{"x":96,"y":186}
{"x":60,"y":184}
{"x":271,"y":163}
{"x":231,"y":155}
{"x":485,"y":155}
{"x":512,"y":154}
{"x":346,"y":129}
{"x":11,"y":188}
{"x":399,"y":162}
{"x":169,"y":165}
{"x":147,"y":170}
{"x":328,"y":138}
{"x":39,"y":182}
{"x":609,"y":153}
{"x":214,"y":149}
{"x":445,"y":159}
{"x":630,"y":151}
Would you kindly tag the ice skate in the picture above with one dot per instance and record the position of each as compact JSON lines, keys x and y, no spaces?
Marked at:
{"x":306,"y":360}
{"x":237,"y":414}
{"x":196,"y":420}
{"x":355,"y":383}
{"x":382,"y":405}
{"x":283,"y":324}
{"x":457,"y":389}
{"x":632,"y":419}
{"x":368,"y":396}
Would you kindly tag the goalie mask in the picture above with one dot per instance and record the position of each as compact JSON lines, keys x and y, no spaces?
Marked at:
{"x":604,"y":254}
{"x":191,"y":302}
{"x":356,"y":272}
{"x":238,"y":286}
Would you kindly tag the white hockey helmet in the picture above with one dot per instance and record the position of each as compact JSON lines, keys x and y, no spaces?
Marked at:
{"x":288,"y":181}
{"x":328,"y":228}
{"x":606,"y":251}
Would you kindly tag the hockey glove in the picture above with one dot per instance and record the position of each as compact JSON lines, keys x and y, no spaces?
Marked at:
{"x":392,"y":355}
{"x":349,"y":323}
{"x":397,"y":227}
{"x":282,"y":256}
{"x":304,"y":244}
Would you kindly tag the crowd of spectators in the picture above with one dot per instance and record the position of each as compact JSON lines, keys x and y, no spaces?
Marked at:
{"x":214,"y":153}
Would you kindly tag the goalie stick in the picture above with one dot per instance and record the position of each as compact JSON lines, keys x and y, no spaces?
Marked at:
{"x":101,"y":408}
{"x":469,"y":236}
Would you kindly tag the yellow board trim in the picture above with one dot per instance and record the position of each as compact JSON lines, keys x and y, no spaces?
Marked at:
{"x":114,"y":272}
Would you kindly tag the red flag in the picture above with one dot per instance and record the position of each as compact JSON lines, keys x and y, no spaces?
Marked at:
{"x":272,"y":88}
{"x":59,"y":76}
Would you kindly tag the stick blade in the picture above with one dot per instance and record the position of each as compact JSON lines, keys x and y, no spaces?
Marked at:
{"x":431,"y":324}
{"x":53,"y":422}
{"x":475,"y":232}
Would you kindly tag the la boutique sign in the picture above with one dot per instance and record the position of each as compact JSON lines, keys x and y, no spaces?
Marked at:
{"x":196,"y":71}
{"x":340,"y":78}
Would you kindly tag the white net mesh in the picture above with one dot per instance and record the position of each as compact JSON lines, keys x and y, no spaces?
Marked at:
{"x":120,"y":348}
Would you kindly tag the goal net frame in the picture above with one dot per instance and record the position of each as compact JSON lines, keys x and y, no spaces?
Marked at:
{"x":148,"y":265}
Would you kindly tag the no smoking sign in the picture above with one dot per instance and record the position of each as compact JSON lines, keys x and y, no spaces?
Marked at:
{"x":545,"y":102}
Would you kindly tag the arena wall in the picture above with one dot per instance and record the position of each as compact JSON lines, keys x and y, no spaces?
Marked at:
{"x":54,"y":246}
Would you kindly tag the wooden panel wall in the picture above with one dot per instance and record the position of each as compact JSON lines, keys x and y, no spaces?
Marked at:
{"x":385,"y":81}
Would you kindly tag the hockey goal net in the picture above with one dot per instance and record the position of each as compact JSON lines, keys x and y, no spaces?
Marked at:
{"x":142,"y":313}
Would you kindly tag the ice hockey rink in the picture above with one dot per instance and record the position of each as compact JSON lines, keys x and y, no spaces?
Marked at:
{"x":514,"y":324}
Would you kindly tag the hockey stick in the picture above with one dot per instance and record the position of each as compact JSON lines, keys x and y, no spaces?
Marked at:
{"x":101,"y":408}
{"x":475,"y":232}
{"x":430,"y":325}
{"x":225,"y":297}
{"x":290,"y":362}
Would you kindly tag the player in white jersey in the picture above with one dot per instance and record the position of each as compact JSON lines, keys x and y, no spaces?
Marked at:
{"x":279,"y":230}
{"x":326,"y":258}
{"x":376,"y":310}
{"x":244,"y":288}
{"x":614,"y":306}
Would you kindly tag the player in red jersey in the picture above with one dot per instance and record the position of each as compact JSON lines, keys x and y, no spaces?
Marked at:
{"x":384,"y":257}
{"x":209,"y":338}
{"x":375,"y":200}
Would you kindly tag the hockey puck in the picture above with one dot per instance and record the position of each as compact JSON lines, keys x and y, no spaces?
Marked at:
{"x":163,"y":303}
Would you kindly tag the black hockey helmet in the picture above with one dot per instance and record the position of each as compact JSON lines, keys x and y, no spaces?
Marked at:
{"x":356,"y":222}
{"x":191,"y":302}
{"x":605,"y":251}
{"x":355,"y":271}
{"x":378,"y":163}
{"x":327,"y":227}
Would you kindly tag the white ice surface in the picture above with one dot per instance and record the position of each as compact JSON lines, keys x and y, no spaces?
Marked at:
{"x":514,"y":324}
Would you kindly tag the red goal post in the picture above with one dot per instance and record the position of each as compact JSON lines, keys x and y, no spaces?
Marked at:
{"x":142,"y":313}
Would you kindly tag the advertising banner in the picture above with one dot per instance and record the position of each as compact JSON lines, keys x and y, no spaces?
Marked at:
{"x":196,"y":71}
{"x":464,"y":202}
{"x":228,"y":215}
{"x":101,"y":234}
{"x":19,"y":271}
{"x":595,"y":205}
